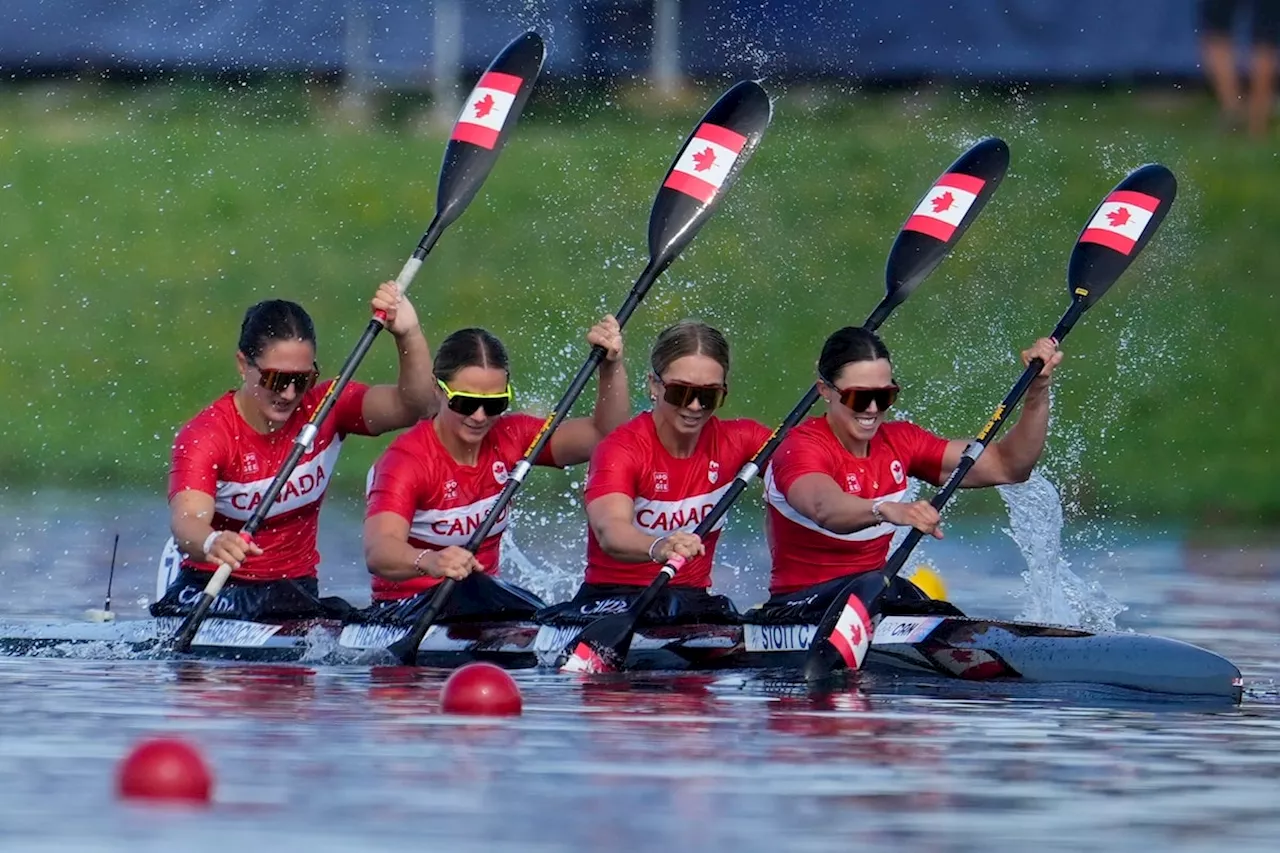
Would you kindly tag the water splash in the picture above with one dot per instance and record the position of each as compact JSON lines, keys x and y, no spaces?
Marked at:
{"x":1054,"y":593}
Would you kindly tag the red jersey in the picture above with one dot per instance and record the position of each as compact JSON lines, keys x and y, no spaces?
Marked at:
{"x":218,"y":453}
{"x":804,"y":553}
{"x":670,"y":494}
{"x":443,"y":500}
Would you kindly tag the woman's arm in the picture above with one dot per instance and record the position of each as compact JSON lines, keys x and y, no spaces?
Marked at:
{"x":388,"y":554}
{"x":1012,"y":458}
{"x":577,"y":437}
{"x":820,"y":499}
{"x":191,"y":522}
{"x":611,"y":519}
{"x":415,"y":394}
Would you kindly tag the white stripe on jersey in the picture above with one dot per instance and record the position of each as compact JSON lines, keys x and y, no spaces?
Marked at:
{"x":778,"y":502}
{"x":306,"y":485}
{"x":444,"y":527}
{"x":659,"y":518}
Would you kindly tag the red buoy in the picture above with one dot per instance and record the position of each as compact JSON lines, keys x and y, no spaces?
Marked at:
{"x":481,"y":689}
{"x":165,"y":768}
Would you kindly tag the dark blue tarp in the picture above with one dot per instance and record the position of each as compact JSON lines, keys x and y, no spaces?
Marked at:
{"x":1001,"y":40}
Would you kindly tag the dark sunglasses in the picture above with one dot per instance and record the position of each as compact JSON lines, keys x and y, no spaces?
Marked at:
{"x":465,"y":403}
{"x":860,"y":399}
{"x":277,"y":381}
{"x":681,"y":394}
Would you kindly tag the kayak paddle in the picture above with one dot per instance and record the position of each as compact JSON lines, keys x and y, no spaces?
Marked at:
{"x":933,"y":229}
{"x":478,"y":137}
{"x":708,"y":163}
{"x":1113,"y":236}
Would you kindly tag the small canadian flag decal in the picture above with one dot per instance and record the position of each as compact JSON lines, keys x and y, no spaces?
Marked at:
{"x":486,"y":108}
{"x":703,"y":165}
{"x":944,"y":206}
{"x":1120,"y":220}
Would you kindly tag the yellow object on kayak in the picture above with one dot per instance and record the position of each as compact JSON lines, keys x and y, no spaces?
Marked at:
{"x":929,"y":582}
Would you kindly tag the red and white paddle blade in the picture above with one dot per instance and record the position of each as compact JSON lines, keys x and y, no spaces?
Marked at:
{"x":585,"y":660}
{"x":852,"y":634}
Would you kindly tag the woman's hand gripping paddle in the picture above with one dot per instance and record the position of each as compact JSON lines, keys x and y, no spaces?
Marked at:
{"x":933,"y":229}
{"x":708,"y":163}
{"x":1113,"y":236}
{"x":481,"y":131}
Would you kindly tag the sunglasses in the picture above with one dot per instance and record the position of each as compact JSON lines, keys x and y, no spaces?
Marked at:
{"x":682,"y":394}
{"x":278,"y":381}
{"x":466,"y":403}
{"x":860,"y":399}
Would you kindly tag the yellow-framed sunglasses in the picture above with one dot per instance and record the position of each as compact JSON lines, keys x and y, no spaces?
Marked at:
{"x":465,"y":403}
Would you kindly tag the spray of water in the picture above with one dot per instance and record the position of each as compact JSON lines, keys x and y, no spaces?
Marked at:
{"x":1054,"y":593}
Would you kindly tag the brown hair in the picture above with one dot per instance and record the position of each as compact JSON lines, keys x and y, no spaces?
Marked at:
{"x":688,"y":337}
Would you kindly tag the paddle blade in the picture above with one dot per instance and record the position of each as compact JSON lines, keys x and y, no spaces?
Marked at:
{"x":709,"y":162}
{"x":1118,"y":230}
{"x":602,"y":646}
{"x":488,"y":116}
{"x":944,"y":214}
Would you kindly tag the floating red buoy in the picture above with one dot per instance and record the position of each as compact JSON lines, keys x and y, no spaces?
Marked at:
{"x":482,"y":689}
{"x":165,"y":768}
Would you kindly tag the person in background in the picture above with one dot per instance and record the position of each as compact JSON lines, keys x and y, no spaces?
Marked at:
{"x":1217,"y":18}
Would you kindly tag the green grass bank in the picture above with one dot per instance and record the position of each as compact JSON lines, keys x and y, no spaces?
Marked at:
{"x":138,"y":223}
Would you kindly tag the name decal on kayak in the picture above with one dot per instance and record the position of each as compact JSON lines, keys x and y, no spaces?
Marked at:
{"x":372,"y":636}
{"x":777,"y":638}
{"x":234,"y":632}
{"x":904,"y":630}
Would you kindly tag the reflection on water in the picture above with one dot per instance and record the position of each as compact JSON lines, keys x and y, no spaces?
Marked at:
{"x":347,"y":757}
{"x":326,"y":758}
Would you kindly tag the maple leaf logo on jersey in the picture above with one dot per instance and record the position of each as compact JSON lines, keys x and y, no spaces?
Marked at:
{"x":943,"y":202}
{"x":713,"y":472}
{"x":484,"y":106}
{"x":895,"y":468}
{"x":500,"y":472}
{"x":704,"y":159}
{"x":1118,"y":217}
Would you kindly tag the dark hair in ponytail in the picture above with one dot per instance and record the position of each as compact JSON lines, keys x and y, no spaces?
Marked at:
{"x":469,"y":348}
{"x":274,"y":320}
{"x":847,"y":345}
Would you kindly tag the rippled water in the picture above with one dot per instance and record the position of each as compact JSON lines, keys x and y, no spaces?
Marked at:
{"x":342,"y":758}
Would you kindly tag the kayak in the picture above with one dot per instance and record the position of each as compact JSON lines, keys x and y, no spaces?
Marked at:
{"x":967,"y":649}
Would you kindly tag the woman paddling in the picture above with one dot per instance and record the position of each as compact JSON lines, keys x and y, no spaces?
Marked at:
{"x":653,"y":480}
{"x":435,"y":484}
{"x":225,"y":458}
{"x":836,"y":488}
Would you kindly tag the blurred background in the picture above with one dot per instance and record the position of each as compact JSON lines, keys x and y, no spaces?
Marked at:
{"x":164,"y":164}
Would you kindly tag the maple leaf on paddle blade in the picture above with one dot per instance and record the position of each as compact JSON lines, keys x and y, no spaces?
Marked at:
{"x":484,"y":106}
{"x":1119,"y":216}
{"x":943,"y":202}
{"x":704,"y":159}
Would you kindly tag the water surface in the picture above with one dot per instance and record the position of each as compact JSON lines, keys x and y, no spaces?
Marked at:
{"x":341,"y":758}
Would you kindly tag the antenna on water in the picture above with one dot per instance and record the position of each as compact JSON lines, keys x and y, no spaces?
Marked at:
{"x":106,"y":614}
